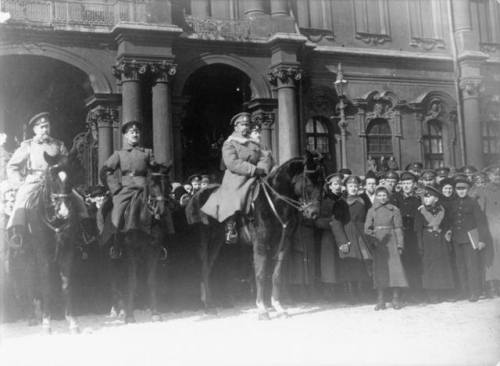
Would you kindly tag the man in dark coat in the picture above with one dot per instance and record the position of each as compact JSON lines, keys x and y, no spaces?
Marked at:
{"x":129,"y":187}
{"x":466,"y":219}
{"x":368,"y":196}
{"x":408,"y":202}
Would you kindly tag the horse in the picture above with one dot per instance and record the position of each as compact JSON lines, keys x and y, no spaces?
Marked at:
{"x":128,"y":248}
{"x":52,"y":224}
{"x":293,"y":187}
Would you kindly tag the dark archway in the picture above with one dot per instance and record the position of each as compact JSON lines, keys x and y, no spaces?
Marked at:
{"x":32,"y":84}
{"x":216,"y":92}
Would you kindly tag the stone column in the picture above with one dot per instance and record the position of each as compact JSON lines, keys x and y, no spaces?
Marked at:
{"x":102,"y":119}
{"x":263,"y":113}
{"x":279,"y":7}
{"x":163,"y":140}
{"x":179,"y":113}
{"x":200,"y":8}
{"x":284,"y":78}
{"x":128,"y":73}
{"x":254,"y":7}
{"x":472,"y":121}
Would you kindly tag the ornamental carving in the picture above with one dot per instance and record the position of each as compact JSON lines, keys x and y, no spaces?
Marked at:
{"x":427,"y":44}
{"x":219,"y":29}
{"x":263,"y":119}
{"x":284,"y":74}
{"x":489,"y":47}
{"x":435,"y":109}
{"x":471,"y":87}
{"x":134,"y":70}
{"x":371,"y":38}
{"x":101,"y":116}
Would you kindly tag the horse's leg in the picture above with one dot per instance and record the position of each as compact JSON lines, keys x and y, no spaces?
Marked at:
{"x":259,"y":262}
{"x":277,"y":277}
{"x":65,"y":267}
{"x":213,"y":241}
{"x":44,"y":259}
{"x":153,"y":255}
{"x":131,"y":258}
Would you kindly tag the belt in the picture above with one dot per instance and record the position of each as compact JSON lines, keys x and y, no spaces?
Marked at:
{"x":133,"y":174}
{"x":383,"y":227}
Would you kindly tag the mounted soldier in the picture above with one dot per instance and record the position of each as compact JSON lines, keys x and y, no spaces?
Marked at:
{"x":132,"y":162}
{"x":27,"y":168}
{"x":245,"y":160}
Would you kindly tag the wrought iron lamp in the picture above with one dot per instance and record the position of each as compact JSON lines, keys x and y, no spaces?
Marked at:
{"x":340,"y":88}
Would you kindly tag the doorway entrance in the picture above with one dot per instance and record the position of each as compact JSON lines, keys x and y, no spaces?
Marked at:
{"x":216,"y":93}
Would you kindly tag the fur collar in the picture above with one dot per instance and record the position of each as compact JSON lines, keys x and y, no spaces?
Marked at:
{"x":239,"y":139}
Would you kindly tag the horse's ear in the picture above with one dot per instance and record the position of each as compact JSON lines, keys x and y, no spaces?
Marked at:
{"x":51,"y":159}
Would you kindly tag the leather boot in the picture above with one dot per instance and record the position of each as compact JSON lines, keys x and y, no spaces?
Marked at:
{"x":380,"y":300}
{"x":396,"y":303}
{"x":231,"y":232}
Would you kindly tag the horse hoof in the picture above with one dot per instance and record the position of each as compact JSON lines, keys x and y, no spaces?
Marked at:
{"x":156,"y":318}
{"x":129,"y":319}
{"x":211,"y":311}
{"x":283,"y":315}
{"x":264,"y":316}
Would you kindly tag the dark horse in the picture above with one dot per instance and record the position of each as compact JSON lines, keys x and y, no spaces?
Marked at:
{"x":293,"y":188}
{"x":52,"y":225}
{"x":146,"y":244}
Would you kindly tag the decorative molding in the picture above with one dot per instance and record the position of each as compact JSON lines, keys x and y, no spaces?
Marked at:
{"x":101,"y":117}
{"x":127,"y":70}
{"x":427,"y":44}
{"x":489,"y":47}
{"x":284,"y":74}
{"x":372,"y":38}
{"x":162,"y":70}
{"x":317,"y":35}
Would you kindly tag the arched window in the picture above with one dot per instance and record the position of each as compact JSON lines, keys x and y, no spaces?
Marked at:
{"x":491,"y":142}
{"x":433,"y":145}
{"x":379,"y":139}
{"x":317,"y":136}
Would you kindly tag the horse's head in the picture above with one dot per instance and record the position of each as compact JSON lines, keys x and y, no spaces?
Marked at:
{"x":301,"y":179}
{"x":57,"y":187}
{"x":159,"y":188}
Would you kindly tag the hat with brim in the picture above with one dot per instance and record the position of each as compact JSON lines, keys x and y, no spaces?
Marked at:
{"x":408,"y":176}
{"x":352,"y":179}
{"x":462,"y":183}
{"x":333,"y":176}
{"x":431,"y":190}
{"x":446,"y":182}
{"x":238,"y":118}
{"x":381,"y":189}
{"x":194,"y":178}
{"x":428,"y":175}
{"x":38,"y":119}
{"x":391,"y":174}
{"x":128,"y":125}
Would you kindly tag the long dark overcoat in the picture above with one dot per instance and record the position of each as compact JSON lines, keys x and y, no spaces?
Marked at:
{"x":436,"y":259}
{"x":384,"y":226}
{"x":334,"y":213}
{"x":490,"y":203}
{"x":127,"y":171}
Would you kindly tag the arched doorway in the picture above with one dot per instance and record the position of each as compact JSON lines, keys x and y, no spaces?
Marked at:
{"x":32,"y":84}
{"x":216,"y":92}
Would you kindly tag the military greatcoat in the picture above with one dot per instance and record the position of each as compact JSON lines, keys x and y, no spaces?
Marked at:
{"x":26,"y":169}
{"x":129,"y":187}
{"x":490,"y":202}
{"x":384,"y":226}
{"x":241,"y":156}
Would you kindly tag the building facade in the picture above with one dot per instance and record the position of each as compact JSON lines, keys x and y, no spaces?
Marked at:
{"x":423,"y":77}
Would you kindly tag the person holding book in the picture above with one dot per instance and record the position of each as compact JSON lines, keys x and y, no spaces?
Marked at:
{"x":430,"y":227}
{"x":468,"y":234}
{"x":384,"y":225}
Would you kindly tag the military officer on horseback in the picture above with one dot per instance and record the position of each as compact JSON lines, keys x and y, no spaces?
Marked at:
{"x":133,"y":162}
{"x":244,"y":160}
{"x":27,"y":168}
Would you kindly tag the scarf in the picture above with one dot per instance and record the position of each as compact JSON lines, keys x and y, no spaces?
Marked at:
{"x":434,"y":215}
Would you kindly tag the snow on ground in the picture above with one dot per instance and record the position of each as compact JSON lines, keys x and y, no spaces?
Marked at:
{"x":460,"y":333}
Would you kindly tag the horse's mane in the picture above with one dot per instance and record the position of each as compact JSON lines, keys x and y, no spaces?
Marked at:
{"x":288,"y":169}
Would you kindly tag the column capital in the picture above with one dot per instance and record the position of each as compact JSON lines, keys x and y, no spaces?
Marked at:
{"x":263,"y":118}
{"x":129,"y":70}
{"x":284,"y":73}
{"x":471,"y":86}
{"x":102,"y":116}
{"x":162,"y":71}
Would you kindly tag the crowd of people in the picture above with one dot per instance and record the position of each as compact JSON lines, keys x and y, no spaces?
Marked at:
{"x":422,"y":234}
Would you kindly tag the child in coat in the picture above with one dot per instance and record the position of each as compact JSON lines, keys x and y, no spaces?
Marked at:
{"x":384,"y":225}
